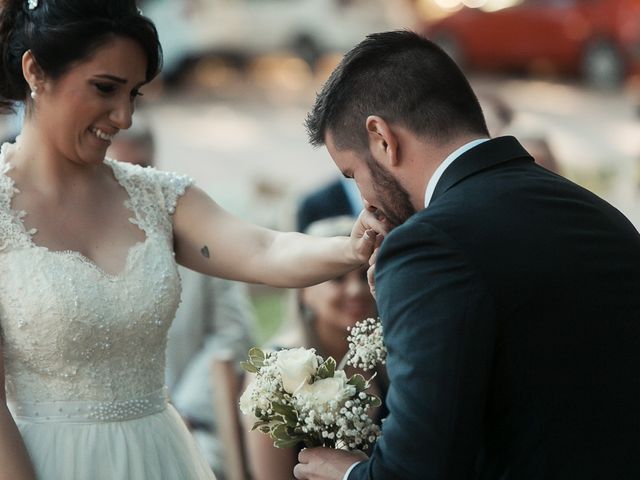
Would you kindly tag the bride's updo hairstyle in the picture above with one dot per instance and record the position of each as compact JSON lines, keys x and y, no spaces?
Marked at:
{"x":61,"y":33}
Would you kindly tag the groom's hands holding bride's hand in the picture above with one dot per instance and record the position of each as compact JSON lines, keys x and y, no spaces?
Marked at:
{"x":325,"y":463}
{"x":367,"y":234}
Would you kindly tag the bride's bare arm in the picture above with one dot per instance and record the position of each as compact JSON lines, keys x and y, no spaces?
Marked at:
{"x":14,"y":459}
{"x":211,"y":241}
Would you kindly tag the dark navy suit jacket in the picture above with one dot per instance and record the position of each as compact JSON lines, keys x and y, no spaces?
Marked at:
{"x":511,"y":314}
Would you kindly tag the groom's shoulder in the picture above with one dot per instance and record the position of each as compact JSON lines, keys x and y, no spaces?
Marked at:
{"x":417,"y":230}
{"x":433,"y":219}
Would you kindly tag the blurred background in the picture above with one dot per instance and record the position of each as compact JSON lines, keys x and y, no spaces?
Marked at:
{"x":240,"y":76}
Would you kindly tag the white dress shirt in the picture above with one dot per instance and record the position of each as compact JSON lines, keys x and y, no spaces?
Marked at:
{"x":431,"y":186}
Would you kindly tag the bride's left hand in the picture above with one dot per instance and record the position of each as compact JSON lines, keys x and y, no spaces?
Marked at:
{"x":367,"y":234}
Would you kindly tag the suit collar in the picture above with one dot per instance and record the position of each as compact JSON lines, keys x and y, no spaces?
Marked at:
{"x":435,"y":178}
{"x":486,"y":155}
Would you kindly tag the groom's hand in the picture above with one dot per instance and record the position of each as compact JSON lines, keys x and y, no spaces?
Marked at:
{"x":371,"y":273}
{"x":325,"y":463}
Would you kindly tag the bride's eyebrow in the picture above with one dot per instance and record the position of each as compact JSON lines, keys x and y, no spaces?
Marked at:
{"x":113,"y":78}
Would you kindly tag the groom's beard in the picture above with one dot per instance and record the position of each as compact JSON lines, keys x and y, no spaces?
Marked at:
{"x":393,"y":197}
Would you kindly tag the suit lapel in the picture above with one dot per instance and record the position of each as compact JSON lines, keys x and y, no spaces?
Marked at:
{"x":485,"y":155}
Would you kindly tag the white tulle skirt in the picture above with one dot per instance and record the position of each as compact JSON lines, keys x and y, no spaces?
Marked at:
{"x":139,"y":441}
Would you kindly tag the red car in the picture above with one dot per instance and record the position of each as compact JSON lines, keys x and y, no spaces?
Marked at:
{"x":599,"y":39}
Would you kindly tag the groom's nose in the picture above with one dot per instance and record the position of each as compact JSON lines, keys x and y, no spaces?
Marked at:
{"x":368,"y":205}
{"x":373,"y":209}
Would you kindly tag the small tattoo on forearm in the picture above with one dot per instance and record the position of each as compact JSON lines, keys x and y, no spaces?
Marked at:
{"x":205,"y":251}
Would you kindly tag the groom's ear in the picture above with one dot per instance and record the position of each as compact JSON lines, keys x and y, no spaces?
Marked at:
{"x":383,"y":142}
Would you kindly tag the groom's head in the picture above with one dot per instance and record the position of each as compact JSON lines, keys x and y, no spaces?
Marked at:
{"x":393,"y":105}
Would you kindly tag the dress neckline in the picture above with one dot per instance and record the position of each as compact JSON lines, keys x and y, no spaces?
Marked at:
{"x":18,"y":215}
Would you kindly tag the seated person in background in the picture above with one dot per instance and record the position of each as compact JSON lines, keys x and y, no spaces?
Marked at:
{"x":339,"y":197}
{"x":214,"y":316}
{"x":323,"y":314}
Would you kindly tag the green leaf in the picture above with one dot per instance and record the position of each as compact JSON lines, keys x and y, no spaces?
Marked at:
{"x":330,"y":363}
{"x":256,"y":357}
{"x":288,"y":413}
{"x":259,"y":424}
{"x":374,"y":401}
{"x":359,"y":382}
{"x":327,"y":369}
{"x":249,"y":367}
{"x":280,"y":432}
{"x":323,"y":372}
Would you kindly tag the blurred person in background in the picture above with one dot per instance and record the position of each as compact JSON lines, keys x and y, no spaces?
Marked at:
{"x":509,"y":296}
{"x":321,"y":318}
{"x":336,"y":198}
{"x":215,"y":316}
{"x":502,"y":120}
{"x":539,"y":147}
{"x":14,"y":124}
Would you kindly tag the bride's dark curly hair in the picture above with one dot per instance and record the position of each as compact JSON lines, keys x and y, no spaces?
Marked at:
{"x":60,"y":33}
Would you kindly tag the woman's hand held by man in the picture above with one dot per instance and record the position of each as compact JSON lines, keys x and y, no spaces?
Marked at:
{"x":367,"y":234}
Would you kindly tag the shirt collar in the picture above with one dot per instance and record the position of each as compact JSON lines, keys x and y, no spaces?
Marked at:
{"x":435,"y":178}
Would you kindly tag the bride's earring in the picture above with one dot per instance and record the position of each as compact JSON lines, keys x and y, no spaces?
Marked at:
{"x":34,"y":92}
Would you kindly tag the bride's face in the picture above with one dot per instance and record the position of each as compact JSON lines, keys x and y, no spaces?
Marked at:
{"x":78,"y":113}
{"x":341,"y":302}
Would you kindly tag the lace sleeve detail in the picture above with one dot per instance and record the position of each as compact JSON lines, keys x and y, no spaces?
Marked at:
{"x":12,"y":233}
{"x":173,"y":185}
{"x":153,"y":193}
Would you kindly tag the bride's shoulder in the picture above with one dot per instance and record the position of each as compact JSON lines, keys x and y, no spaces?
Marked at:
{"x":129,"y":172}
{"x":135,"y":178}
{"x":125,"y":170}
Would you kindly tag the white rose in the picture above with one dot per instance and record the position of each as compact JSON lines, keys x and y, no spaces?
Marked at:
{"x":296,"y":366}
{"x":327,"y":389}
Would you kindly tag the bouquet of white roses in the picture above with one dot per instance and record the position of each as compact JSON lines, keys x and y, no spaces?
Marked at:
{"x":298,"y":397}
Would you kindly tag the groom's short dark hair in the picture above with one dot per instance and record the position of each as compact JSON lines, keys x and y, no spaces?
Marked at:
{"x":403,"y":78}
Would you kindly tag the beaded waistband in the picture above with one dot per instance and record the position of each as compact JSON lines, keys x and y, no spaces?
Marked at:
{"x":91,"y":411}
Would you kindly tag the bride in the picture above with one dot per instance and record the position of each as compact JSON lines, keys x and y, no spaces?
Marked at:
{"x":88,"y":252}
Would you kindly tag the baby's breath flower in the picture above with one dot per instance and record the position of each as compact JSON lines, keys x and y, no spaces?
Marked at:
{"x":366,"y":346}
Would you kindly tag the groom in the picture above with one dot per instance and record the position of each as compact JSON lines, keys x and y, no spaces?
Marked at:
{"x":509,"y":296}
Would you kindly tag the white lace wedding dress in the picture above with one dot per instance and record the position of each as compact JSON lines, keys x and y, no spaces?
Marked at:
{"x":84,"y":350}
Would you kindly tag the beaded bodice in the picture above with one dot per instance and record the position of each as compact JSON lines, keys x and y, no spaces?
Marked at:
{"x":74,"y":332}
